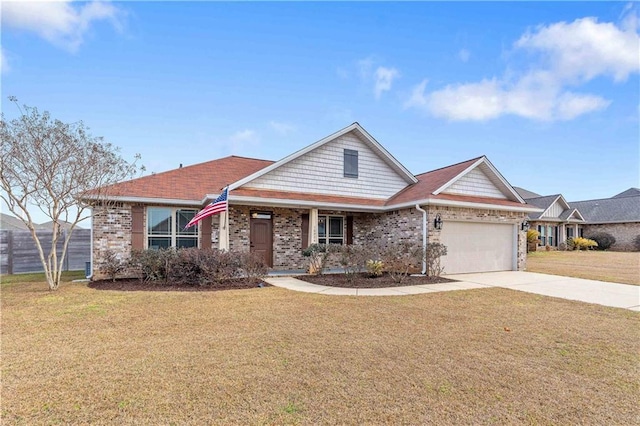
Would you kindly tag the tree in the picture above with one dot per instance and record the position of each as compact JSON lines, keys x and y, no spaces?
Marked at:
{"x":55,"y":167}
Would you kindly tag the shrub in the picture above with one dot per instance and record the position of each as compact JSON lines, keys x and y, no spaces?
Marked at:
{"x":435,"y":251}
{"x":636,"y":242}
{"x":152,"y":265}
{"x":400,"y":258}
{"x":604,"y":240}
{"x":580,"y":243}
{"x":532,"y":239}
{"x":375,"y":267}
{"x":112,"y":265}
{"x":318,"y":255}
{"x":253,"y":266}
{"x":352,"y":258}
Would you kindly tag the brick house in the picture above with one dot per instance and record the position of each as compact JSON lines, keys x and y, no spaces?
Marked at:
{"x":343,"y":189}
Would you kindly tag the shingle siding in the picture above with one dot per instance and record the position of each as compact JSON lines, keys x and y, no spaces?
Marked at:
{"x":475,"y":183}
{"x":321,"y":171}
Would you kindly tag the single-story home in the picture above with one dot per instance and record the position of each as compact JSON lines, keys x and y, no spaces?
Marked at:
{"x":561,"y":220}
{"x":343,"y":189}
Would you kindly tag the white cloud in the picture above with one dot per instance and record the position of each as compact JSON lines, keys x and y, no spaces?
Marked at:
{"x":585,"y":48}
{"x":383,"y":80}
{"x":59,"y":22}
{"x":464,"y":55}
{"x":242,"y":141}
{"x":281,"y":127}
{"x":570,"y":55}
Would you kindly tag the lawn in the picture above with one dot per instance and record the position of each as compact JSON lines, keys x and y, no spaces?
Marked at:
{"x":619,"y":267}
{"x":272,"y":356}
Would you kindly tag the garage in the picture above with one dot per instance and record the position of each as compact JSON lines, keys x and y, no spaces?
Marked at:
{"x":478,"y":247}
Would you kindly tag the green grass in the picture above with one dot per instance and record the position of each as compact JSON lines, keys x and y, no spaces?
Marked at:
{"x":272,"y":356}
{"x":67,"y":276}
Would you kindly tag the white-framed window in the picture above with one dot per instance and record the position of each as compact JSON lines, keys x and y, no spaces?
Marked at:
{"x":350,"y":163}
{"x":330,"y":229}
{"x":165,"y":228}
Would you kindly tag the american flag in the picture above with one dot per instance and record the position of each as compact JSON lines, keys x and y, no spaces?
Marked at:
{"x":218,"y":205}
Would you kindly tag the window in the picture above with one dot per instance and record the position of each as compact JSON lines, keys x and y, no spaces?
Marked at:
{"x":542,"y":237}
{"x":569,"y":232}
{"x":330,"y":230}
{"x":165,"y":228}
{"x":550,"y":234}
{"x":350,"y":163}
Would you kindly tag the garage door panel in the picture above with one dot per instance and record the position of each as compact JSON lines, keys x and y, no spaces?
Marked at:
{"x":477,"y":247}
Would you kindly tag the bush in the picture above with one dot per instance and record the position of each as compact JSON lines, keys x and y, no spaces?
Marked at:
{"x":112,"y":265}
{"x":532,"y":239}
{"x":435,"y":251}
{"x":375,"y":267}
{"x":352,"y":259}
{"x":580,"y":243}
{"x":318,"y":255}
{"x":604,"y":240}
{"x":400,"y":258}
{"x":193,"y":266}
{"x":636,"y":242}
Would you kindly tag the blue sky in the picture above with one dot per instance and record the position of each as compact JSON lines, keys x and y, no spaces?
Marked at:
{"x":548,"y":91}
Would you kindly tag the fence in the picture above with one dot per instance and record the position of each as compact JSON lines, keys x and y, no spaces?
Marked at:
{"x":18,"y":252}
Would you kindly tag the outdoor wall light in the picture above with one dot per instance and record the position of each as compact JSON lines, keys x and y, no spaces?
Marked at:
{"x":437,"y":222}
{"x":525,"y":225}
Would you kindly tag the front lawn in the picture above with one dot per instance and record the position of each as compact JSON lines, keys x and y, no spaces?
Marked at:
{"x":273,"y":356}
{"x":619,"y":267}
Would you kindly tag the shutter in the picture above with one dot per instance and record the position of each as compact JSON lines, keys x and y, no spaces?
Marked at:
{"x":137,"y":227}
{"x":305,"y":231}
{"x":205,"y":236}
{"x":349,"y":230}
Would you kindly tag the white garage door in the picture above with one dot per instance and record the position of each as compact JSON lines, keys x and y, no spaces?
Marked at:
{"x":477,"y":247}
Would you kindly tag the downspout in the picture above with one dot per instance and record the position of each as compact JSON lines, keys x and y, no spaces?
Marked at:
{"x":425,"y":238}
{"x":91,"y":249}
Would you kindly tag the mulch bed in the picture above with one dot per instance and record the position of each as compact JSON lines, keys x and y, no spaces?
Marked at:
{"x":365,"y":281}
{"x":137,"y":285}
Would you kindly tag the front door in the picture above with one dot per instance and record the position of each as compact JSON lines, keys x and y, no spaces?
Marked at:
{"x":261,"y":236}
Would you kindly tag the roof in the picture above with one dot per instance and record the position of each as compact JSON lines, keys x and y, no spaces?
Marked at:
{"x":190,"y":183}
{"x":357,"y":129}
{"x":8,"y":222}
{"x":193,"y":185}
{"x":526,"y":194}
{"x":631,"y":192}
{"x":608,"y":210}
{"x":542,"y":202}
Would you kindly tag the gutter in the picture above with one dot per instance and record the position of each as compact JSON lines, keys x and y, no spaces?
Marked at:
{"x":425,"y":238}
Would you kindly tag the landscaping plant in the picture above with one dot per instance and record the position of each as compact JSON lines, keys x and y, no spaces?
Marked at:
{"x":375,"y":267}
{"x":434,"y":254}
{"x":112,"y":265}
{"x":400,"y":258}
{"x":318,"y":255}
{"x":604,"y":240}
{"x":352,"y":258}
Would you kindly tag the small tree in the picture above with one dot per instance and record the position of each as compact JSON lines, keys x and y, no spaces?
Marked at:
{"x":434,"y":254}
{"x":399,"y":258}
{"x":318,"y":255}
{"x":49,"y":165}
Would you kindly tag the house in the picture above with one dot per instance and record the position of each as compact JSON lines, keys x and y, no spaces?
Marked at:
{"x":618,"y":216}
{"x":343,"y":189}
{"x":561,"y":220}
{"x":556,"y":222}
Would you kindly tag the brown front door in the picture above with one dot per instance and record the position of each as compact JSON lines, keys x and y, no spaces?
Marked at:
{"x":261,"y":236}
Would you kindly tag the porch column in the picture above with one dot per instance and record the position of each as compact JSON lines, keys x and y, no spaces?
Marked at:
{"x":313,"y":226}
{"x":223,"y":234}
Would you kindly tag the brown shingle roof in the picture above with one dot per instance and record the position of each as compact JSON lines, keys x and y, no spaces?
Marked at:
{"x":191,"y":182}
{"x":429,"y":182}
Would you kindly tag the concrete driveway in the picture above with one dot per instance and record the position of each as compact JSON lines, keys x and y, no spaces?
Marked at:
{"x":602,"y":293}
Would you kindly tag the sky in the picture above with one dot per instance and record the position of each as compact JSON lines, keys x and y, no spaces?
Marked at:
{"x":548,"y":91}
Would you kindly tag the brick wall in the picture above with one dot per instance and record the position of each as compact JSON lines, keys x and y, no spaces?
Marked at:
{"x":111,"y":231}
{"x":624,"y":233}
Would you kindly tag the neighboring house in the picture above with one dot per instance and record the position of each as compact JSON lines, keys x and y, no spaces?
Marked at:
{"x":560,"y":220}
{"x":343,"y":189}
{"x":618,"y":216}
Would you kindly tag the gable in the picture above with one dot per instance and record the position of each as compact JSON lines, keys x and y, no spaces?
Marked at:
{"x":475,"y":183}
{"x":555,"y":209}
{"x":321,"y":171}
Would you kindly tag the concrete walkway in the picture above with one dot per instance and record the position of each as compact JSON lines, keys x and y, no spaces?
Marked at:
{"x":590,"y":291}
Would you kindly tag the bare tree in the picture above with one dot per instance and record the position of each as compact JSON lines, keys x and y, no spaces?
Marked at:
{"x":55,"y":166}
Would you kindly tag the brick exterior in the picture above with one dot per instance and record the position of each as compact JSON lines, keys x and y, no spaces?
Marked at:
{"x":624,"y":233}
{"x":112,"y":230}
